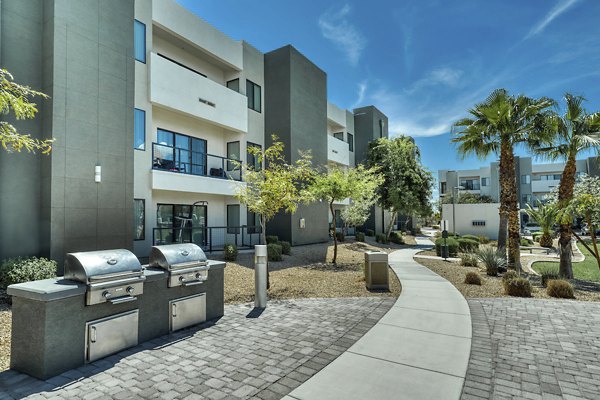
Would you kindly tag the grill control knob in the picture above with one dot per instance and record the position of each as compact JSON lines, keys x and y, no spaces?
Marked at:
{"x":106,"y":294}
{"x":198,"y":275}
{"x":130,"y":289}
{"x":181,"y":279}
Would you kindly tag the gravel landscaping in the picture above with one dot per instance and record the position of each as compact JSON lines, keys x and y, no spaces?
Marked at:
{"x":5,"y":324}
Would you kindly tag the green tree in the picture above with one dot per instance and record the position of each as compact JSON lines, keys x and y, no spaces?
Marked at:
{"x":407,"y":185}
{"x":545,"y":216}
{"x":468,"y":198}
{"x":336,"y":184}
{"x":496,"y":126}
{"x":17,"y":98}
{"x":569,"y":134}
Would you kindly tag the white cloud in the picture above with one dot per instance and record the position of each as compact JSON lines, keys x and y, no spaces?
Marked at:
{"x":362,"y":89}
{"x":336,"y":28}
{"x":441,"y":76}
{"x":555,"y":12}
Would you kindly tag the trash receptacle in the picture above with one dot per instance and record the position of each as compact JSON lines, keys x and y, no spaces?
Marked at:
{"x":445,"y":251}
{"x":376,"y":270}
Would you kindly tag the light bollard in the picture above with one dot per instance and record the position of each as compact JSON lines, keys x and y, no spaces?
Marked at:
{"x":260,"y":276}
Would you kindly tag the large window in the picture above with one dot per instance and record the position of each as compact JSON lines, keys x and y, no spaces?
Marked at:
{"x":485,"y":181}
{"x":350,"y":141}
{"x":525,"y":199}
{"x":180,"y":223}
{"x":254,"y":96}
{"x":339,"y":135}
{"x":252,"y":159}
{"x":525,"y":179}
{"x":139,"y":41}
{"x":233,"y":218}
{"x":470,"y":184}
{"x":443,"y":187}
{"x":233,"y":152}
{"x":234,"y":84}
{"x":180,"y":153}
{"x":253,"y":222}
{"x":139,"y":129}
{"x":547,"y":177}
{"x":139,"y":215}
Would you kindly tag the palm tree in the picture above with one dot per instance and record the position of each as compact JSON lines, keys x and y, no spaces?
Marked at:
{"x":496,"y":126}
{"x":570,"y":134}
{"x":545,"y":216}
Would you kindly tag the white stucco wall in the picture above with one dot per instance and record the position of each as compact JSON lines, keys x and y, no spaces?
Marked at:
{"x":467,"y":213}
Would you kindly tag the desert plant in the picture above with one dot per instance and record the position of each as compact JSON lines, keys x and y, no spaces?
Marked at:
{"x":467,"y":245}
{"x":18,"y":270}
{"x":472,"y":237}
{"x":272,"y":239}
{"x":547,"y":275}
{"x":545,"y":215}
{"x":230,"y":252}
{"x":469,"y":260}
{"x":370,"y":232}
{"x":472,"y":278}
{"x":560,"y":288}
{"x":526,"y":242}
{"x":518,"y":287}
{"x":493,"y":259}
{"x":340,"y":236}
{"x":484,"y":239}
{"x":274,"y":252}
{"x":452,"y":246}
{"x":396,"y":237}
{"x":286,"y":248}
{"x":509,"y":276}
{"x":381,"y":238}
{"x":359,"y":237}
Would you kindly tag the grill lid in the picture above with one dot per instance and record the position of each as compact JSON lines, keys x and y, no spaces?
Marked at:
{"x":105,"y":264}
{"x":177,"y":255}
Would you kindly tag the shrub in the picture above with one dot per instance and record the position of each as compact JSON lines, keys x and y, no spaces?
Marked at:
{"x":19,"y":270}
{"x":472,"y":237}
{"x":560,"y":288}
{"x":370,"y":232}
{"x":286,"y":248}
{"x":274,"y":252}
{"x":492,"y":259}
{"x":547,"y":275}
{"x":536,"y":236}
{"x":230,"y":252}
{"x":396,"y":237}
{"x":469,"y":260}
{"x":484,"y":239}
{"x":452,"y":246}
{"x":526,"y":242}
{"x":435,"y":227}
{"x":272,"y":239}
{"x":359,"y":237}
{"x":381,"y":238}
{"x":340,"y":236}
{"x":518,"y":287}
{"x":467,"y":245}
{"x":509,"y":276}
{"x":472,"y":278}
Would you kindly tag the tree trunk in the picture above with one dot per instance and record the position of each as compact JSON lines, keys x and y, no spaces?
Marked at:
{"x":263,"y":240}
{"x":509,"y":187}
{"x":503,"y":211}
{"x":565,"y":194}
{"x":588,"y":218}
{"x":391,"y":225}
{"x":503,"y":231}
{"x":333,"y":231}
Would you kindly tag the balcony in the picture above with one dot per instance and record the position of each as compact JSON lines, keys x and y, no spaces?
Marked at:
{"x":338,"y":151}
{"x":178,"y":88}
{"x":336,"y":115}
{"x":183,"y":170}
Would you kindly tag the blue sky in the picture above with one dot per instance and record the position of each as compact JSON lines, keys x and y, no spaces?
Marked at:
{"x":425,"y":62}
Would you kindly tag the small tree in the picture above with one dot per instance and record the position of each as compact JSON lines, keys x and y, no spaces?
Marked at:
{"x":545,"y":216}
{"x":16,"y":97}
{"x":337,"y":184}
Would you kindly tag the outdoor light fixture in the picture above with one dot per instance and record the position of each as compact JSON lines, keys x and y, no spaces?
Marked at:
{"x":98,"y":174}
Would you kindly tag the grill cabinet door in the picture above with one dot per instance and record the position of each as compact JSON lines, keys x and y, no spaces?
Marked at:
{"x":109,"y":335}
{"x":187,"y":311}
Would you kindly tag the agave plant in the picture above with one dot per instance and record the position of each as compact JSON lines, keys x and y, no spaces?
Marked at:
{"x":545,"y":215}
{"x":492,"y":258}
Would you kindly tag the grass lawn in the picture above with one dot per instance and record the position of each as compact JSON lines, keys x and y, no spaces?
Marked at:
{"x":586,"y":270}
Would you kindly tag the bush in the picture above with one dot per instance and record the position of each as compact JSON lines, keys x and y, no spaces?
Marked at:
{"x":435,"y":227}
{"x":526,"y":242}
{"x":370,"y":232}
{"x":547,"y":275}
{"x":536,"y":236}
{"x":19,"y":270}
{"x":396,"y":237}
{"x":286,"y":248}
{"x":359,"y":237}
{"x":467,"y":245}
{"x":272,"y":239}
{"x":492,"y":259}
{"x":452,"y":246}
{"x":340,"y":236}
{"x":274,"y":252}
{"x":518,"y":287}
{"x":469,"y":260}
{"x":509,"y":276}
{"x":484,"y":239}
{"x":472,"y":237}
{"x":472,"y":278}
{"x":230,"y":252}
{"x":560,"y":288}
{"x":381,"y":238}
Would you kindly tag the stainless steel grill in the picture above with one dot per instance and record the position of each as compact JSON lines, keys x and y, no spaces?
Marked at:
{"x":111,"y":275}
{"x":186,"y":263}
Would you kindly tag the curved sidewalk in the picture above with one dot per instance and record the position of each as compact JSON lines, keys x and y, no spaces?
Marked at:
{"x":418,"y":350}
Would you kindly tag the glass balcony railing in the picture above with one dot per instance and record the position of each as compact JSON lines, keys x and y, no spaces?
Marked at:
{"x":186,"y":161}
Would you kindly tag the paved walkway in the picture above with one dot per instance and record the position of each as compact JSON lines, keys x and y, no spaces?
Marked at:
{"x":534,"y":349}
{"x":239,"y":357}
{"x":418,"y":350}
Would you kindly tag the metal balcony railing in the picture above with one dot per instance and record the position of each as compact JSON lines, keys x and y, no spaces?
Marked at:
{"x":211,"y":238}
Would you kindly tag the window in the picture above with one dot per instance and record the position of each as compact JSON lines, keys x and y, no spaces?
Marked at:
{"x":180,"y":223}
{"x":350,"y":141}
{"x":339,"y":135}
{"x":484,"y":181}
{"x":139,"y":129}
{"x":233,"y":153}
{"x":234,"y":84}
{"x":179,"y":153}
{"x":139,"y":41}
{"x":252,"y":159}
{"x":338,"y":219}
{"x":139,"y":215}
{"x":443,"y":187}
{"x":549,"y":177}
{"x":381,"y":123}
{"x":470,"y":184}
{"x":254,"y":96}
{"x":233,"y":218}
{"x":478,"y":223}
{"x":526,"y":199}
{"x":253,"y":222}
{"x":525,"y":179}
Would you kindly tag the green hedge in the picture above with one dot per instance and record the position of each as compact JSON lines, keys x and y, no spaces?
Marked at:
{"x":452,"y":246}
{"x":396,"y":237}
{"x":340,"y":236}
{"x":370,"y":232}
{"x":467,"y":245}
{"x":286,"y":248}
{"x":274,"y":251}
{"x":359,"y":237}
{"x":381,"y":238}
{"x":19,"y":270}
{"x":272,"y":239}
{"x":472,"y":237}
{"x":230,"y":252}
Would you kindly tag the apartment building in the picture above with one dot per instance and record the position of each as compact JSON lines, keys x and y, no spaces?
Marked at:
{"x":153,"y":111}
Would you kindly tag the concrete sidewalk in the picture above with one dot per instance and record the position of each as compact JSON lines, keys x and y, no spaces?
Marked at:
{"x":418,"y":350}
